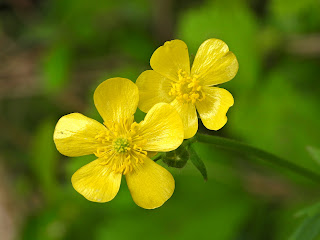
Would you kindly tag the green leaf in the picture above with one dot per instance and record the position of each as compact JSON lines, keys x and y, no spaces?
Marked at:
{"x":198,"y":163}
{"x":314,"y":153}
{"x":308,"y":230}
{"x":287,"y":15}
{"x":309,"y":211}
{"x":56,"y":68}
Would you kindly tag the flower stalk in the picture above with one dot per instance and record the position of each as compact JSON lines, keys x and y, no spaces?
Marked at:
{"x":239,"y":147}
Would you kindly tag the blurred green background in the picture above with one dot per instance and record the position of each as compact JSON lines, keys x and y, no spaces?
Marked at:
{"x":53,"y":54}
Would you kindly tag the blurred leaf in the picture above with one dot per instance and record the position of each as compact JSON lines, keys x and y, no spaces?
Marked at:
{"x":73,"y":164}
{"x":193,"y":212}
{"x":309,"y":211}
{"x":130,"y":71}
{"x":139,"y":46}
{"x":295,"y":16}
{"x":308,"y":230}
{"x":44,"y":158}
{"x":270,"y":41}
{"x":278,"y":106}
{"x":96,"y":27}
{"x":45,"y":226}
{"x":198,"y":163}
{"x":56,"y":68}
{"x":314,"y":153}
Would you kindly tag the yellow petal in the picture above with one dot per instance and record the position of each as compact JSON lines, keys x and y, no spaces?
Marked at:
{"x":75,"y":133}
{"x":162,"y":129}
{"x":96,"y":182}
{"x":150,"y":184}
{"x":188,"y":114}
{"x":213,"y":108}
{"x":214,"y":63}
{"x":153,"y":88}
{"x":116,"y":99}
{"x":169,"y":58}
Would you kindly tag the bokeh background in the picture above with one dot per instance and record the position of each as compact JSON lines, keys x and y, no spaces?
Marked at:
{"x":53,"y":54}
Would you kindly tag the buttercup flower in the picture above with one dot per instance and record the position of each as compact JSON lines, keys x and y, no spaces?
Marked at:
{"x":172,"y":81}
{"x":121,"y":146}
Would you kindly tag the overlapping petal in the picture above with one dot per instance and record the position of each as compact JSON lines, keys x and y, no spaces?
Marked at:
{"x":75,"y":133}
{"x":153,"y":88}
{"x":96,"y":182}
{"x":213,"y":108}
{"x":116,"y":99}
{"x":188,"y":114}
{"x":162,"y":128}
{"x":150,"y":184}
{"x":169,"y":58}
{"x":214,"y":63}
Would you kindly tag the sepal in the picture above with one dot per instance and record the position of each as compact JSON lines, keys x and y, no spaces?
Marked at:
{"x":198,"y":163}
{"x":177,"y":158}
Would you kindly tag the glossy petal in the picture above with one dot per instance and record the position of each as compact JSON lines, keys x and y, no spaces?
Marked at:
{"x":153,"y":88}
{"x":150,"y":185}
{"x":188,"y":114}
{"x":214,"y":63}
{"x":169,"y":58}
{"x":75,"y":133}
{"x":116,"y":99}
{"x":213,"y":108}
{"x":162,"y":128}
{"x":96,"y":182}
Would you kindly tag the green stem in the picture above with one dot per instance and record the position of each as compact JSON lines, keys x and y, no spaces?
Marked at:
{"x":240,"y":147}
{"x":157,"y":158}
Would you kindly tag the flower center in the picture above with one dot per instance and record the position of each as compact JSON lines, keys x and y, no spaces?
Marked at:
{"x":187,"y":88}
{"x":120,"y":147}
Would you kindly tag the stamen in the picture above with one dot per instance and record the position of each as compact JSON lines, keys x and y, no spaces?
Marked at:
{"x":121,"y":146}
{"x":187,"y":89}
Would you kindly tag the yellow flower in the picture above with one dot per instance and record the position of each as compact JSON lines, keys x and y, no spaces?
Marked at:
{"x":172,"y":81}
{"x":121,"y":146}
